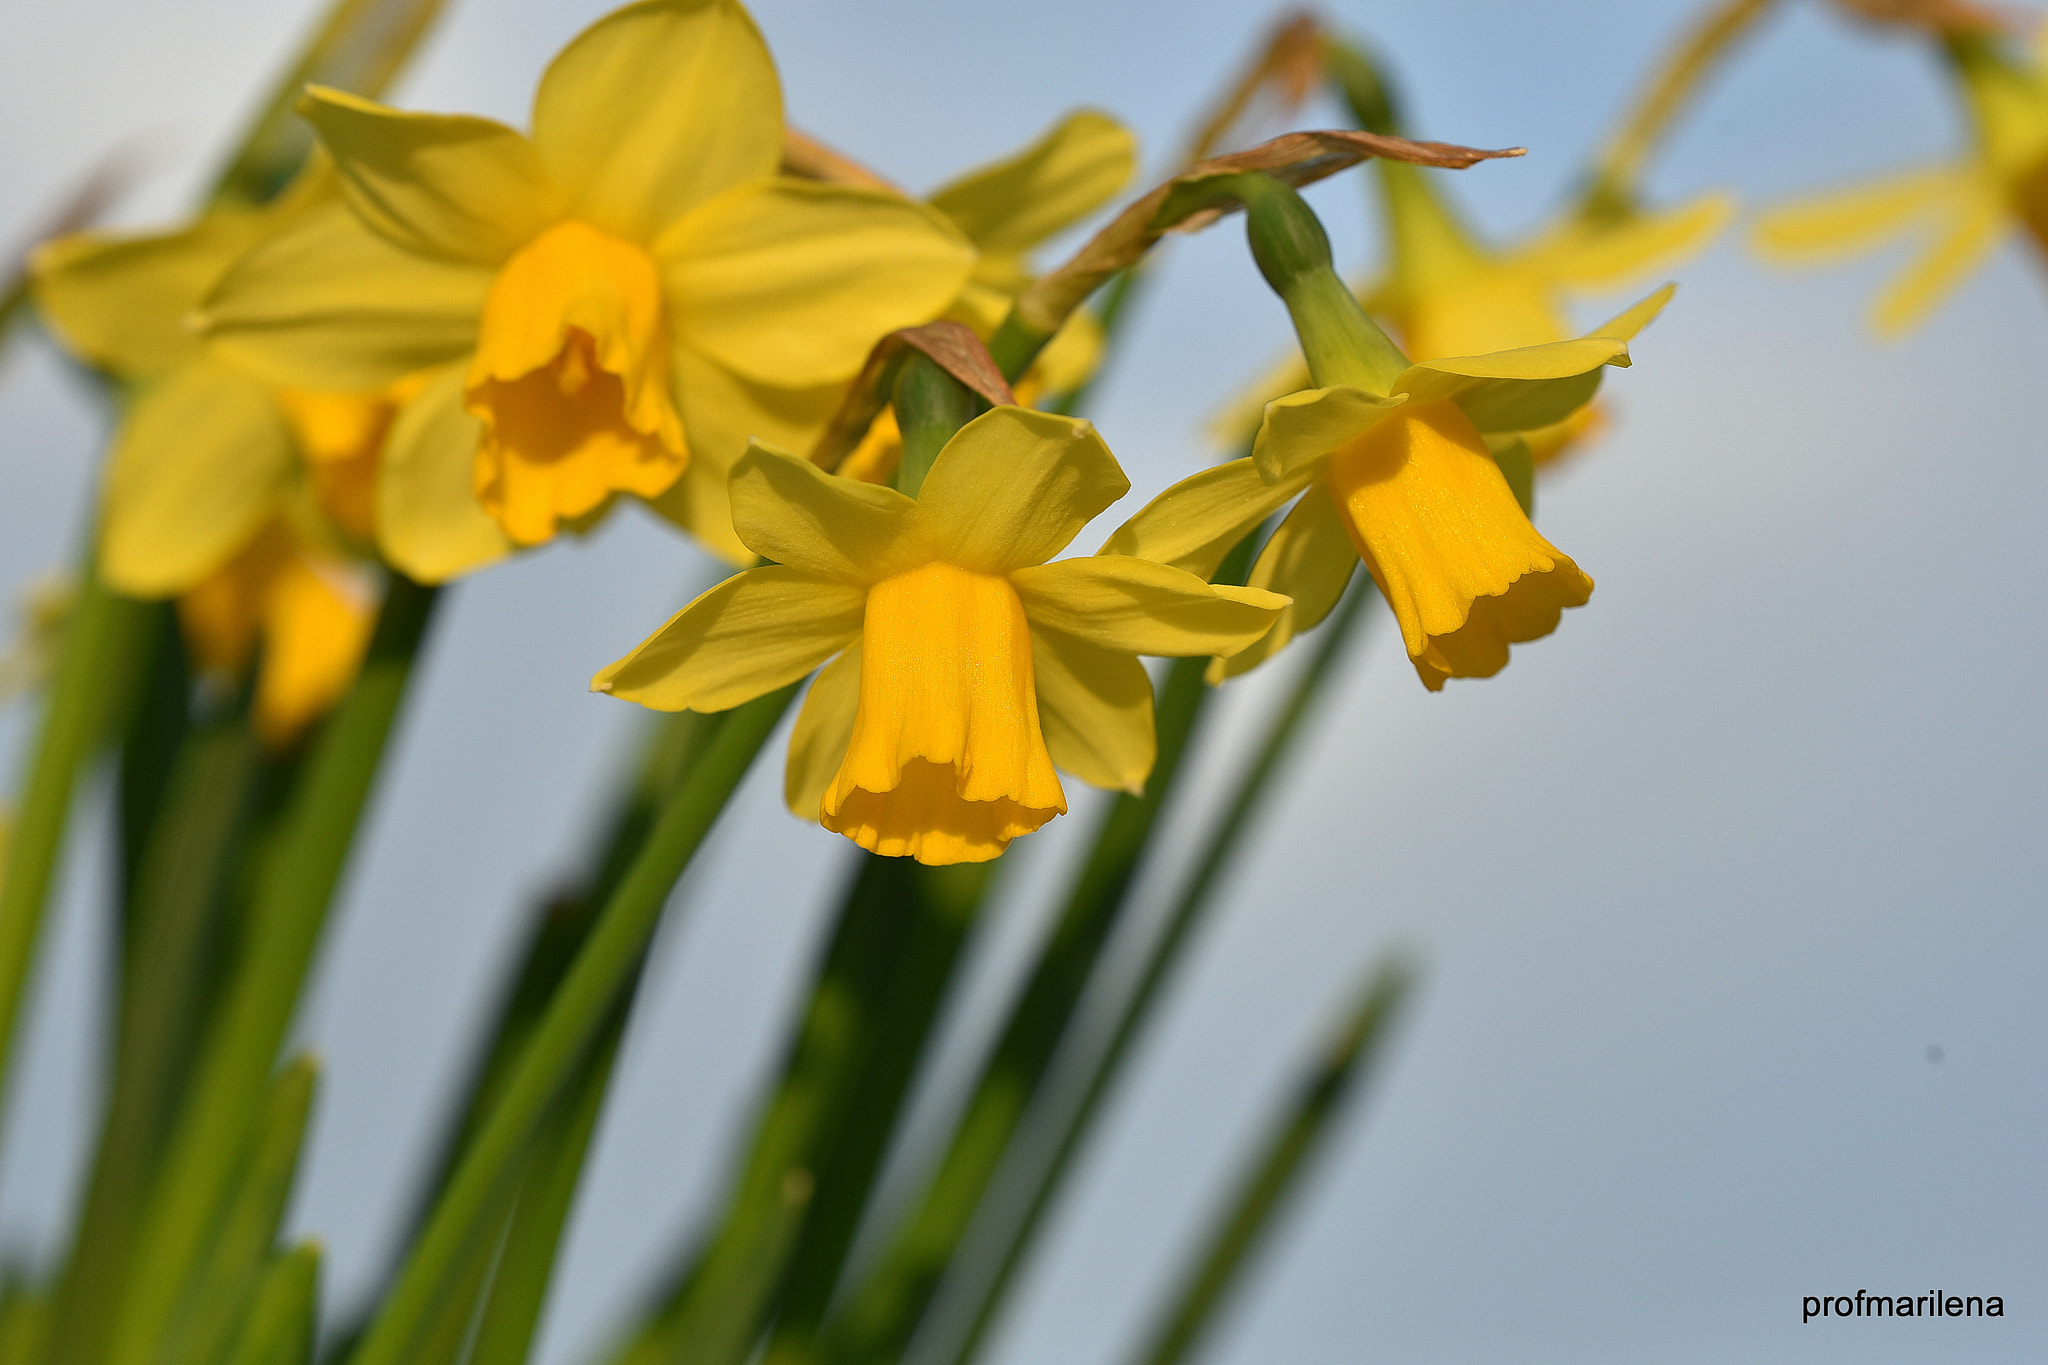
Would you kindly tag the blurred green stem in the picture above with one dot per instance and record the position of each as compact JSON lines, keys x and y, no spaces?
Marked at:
{"x":573,"y":1021}
{"x":970,"y":1315}
{"x":296,"y":884}
{"x":1344,"y":1067}
{"x":86,"y":695}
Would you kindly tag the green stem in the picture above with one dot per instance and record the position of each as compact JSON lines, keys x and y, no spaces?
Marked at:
{"x":86,"y":694}
{"x":883,"y":1310}
{"x":295,"y":886}
{"x":574,"y":1018}
{"x":1277,"y":1171}
{"x":981,"y":1300}
{"x":930,"y":406}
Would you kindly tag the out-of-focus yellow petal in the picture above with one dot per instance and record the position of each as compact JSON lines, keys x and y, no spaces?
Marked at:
{"x":1600,"y":255}
{"x":656,"y":108}
{"x":203,"y":459}
{"x":1199,"y":520}
{"x":342,"y":437}
{"x":1299,"y":429}
{"x":946,"y":763}
{"x":120,"y":302}
{"x":1845,"y":221}
{"x":1012,"y":205}
{"x":793,"y":282}
{"x":791,"y":512}
{"x":755,"y":632}
{"x":1972,"y":227}
{"x":440,"y":184}
{"x":326,"y":303}
{"x":571,"y":381}
{"x":317,"y":620}
{"x":1013,"y":486}
{"x":879,"y":454}
{"x":1308,"y":560}
{"x":1070,"y":359}
{"x":1453,"y":553}
{"x":1624,"y":325}
{"x":818,"y":740}
{"x":1482,"y":309}
{"x":430,"y":525}
{"x":1095,"y":709}
{"x":221,"y":616}
{"x":1532,"y":386}
{"x":722,"y":412}
{"x":1141,"y":607}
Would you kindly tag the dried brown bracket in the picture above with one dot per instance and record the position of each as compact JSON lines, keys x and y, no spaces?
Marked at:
{"x":1188,"y":202}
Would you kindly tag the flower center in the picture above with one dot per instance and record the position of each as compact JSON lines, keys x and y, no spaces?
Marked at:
{"x":947,"y":763}
{"x":570,"y":381}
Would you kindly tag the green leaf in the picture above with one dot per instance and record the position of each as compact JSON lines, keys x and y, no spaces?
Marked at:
{"x":278,"y":1329}
{"x":1261,"y":1195}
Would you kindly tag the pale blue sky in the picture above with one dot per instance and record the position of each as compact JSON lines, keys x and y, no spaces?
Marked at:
{"x":1698,"y":880}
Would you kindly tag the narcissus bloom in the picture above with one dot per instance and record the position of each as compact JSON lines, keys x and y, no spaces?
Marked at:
{"x":1406,"y":482}
{"x":967,"y":666}
{"x":1007,"y":209}
{"x":247,"y":503}
{"x":1960,"y":209}
{"x":627,"y":295}
{"x":1446,"y":293}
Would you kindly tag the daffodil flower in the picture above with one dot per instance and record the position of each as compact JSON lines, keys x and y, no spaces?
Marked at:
{"x":1406,"y":482}
{"x":245,"y":502}
{"x":967,"y":666}
{"x":1445,"y":293}
{"x":1007,"y":209}
{"x":1961,"y":209}
{"x":623,"y":298}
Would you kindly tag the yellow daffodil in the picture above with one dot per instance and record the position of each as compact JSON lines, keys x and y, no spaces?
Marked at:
{"x":967,"y":666}
{"x":242,"y":500}
{"x":1407,"y":482}
{"x":1960,"y":209}
{"x":1007,"y":209}
{"x":1445,"y":293}
{"x":623,"y":298}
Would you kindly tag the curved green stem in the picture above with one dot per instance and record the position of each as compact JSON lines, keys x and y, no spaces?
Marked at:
{"x":978,"y":1302}
{"x":574,"y":1018}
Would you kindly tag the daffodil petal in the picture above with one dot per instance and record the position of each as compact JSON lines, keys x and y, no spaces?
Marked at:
{"x":757,"y":631}
{"x":1199,"y":520}
{"x":793,"y":282}
{"x":1013,"y":486}
{"x":1309,"y":560}
{"x":818,"y":740}
{"x":120,"y":302}
{"x":1515,"y":390}
{"x":656,"y":108}
{"x":430,"y":525}
{"x":1073,"y":169}
{"x":721,"y":413}
{"x":328,"y":304}
{"x":791,"y":512}
{"x":445,"y":185}
{"x":1597,"y":256}
{"x":1095,"y":711}
{"x":1842,"y":222}
{"x":1141,"y":607}
{"x":202,"y":461}
{"x":1236,"y":425}
{"x":1624,"y":325}
{"x":1965,"y":238}
{"x":1299,"y":429}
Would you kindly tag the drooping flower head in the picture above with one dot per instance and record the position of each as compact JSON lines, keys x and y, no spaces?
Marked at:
{"x":966,"y":666}
{"x":1409,"y":483}
{"x":247,"y":503}
{"x":621,"y":298}
{"x":1960,"y":209}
